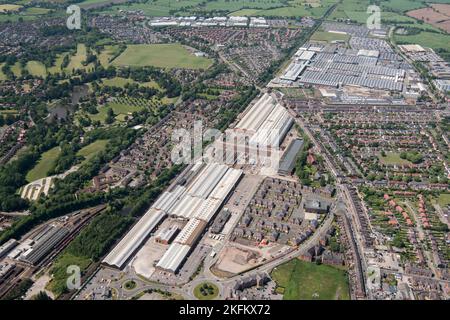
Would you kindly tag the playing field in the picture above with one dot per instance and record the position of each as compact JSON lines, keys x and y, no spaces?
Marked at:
{"x":44,"y":164}
{"x":302,"y":280}
{"x":444,"y":199}
{"x":161,"y":56}
{"x":89,"y":151}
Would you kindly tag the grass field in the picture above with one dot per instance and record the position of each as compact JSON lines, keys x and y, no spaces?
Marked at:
{"x":17,"y":69}
{"x":307,"y":281}
{"x":444,"y":199}
{"x":77,"y":59}
{"x":106,"y":54}
{"x":329,"y":36}
{"x":162,"y":56}
{"x":36,"y":68}
{"x":89,"y":151}
{"x":392,"y":158}
{"x":9,"y":7}
{"x":44,"y":164}
{"x":121,"y":108}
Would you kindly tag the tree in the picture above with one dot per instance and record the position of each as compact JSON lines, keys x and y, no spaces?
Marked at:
{"x":109,"y":116}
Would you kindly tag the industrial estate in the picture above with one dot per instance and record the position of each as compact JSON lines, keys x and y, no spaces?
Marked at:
{"x":215,"y":150}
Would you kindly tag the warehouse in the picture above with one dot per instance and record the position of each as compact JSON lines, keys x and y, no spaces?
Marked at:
{"x":134,"y":238}
{"x":174,"y":257}
{"x":287,"y":162}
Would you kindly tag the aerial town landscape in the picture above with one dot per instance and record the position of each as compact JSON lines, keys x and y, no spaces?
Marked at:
{"x":224,"y":150}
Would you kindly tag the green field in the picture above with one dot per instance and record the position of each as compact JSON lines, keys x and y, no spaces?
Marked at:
{"x":161,"y":56}
{"x":106,"y":54}
{"x":89,"y":151}
{"x":17,"y":69}
{"x":329,"y":36}
{"x":300,"y":280}
{"x":44,"y":164}
{"x":392,"y":158}
{"x":2,"y":75}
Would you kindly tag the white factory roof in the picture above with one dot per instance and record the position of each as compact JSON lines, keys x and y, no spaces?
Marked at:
{"x":174,"y":256}
{"x":257,"y":113}
{"x":207,"y":179}
{"x":225,"y":185}
{"x":369,"y":53}
{"x":293,"y":70}
{"x":306,"y":55}
{"x":186,"y":207}
{"x":207,"y":209}
{"x":167,"y":200}
{"x":133,"y":239}
{"x":273,"y":129}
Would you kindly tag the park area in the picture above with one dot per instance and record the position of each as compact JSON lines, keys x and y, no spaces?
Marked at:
{"x":392,"y":158}
{"x":162,"y":56}
{"x":206,"y":291}
{"x":301,"y":280}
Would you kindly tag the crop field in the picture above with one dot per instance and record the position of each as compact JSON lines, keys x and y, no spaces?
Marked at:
{"x":300,"y":280}
{"x":437,"y":15}
{"x":44,"y":165}
{"x":89,"y":151}
{"x":161,"y":56}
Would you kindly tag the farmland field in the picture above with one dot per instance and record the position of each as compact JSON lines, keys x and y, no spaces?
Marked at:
{"x":300,"y":280}
{"x":44,"y":165}
{"x":162,"y":56}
